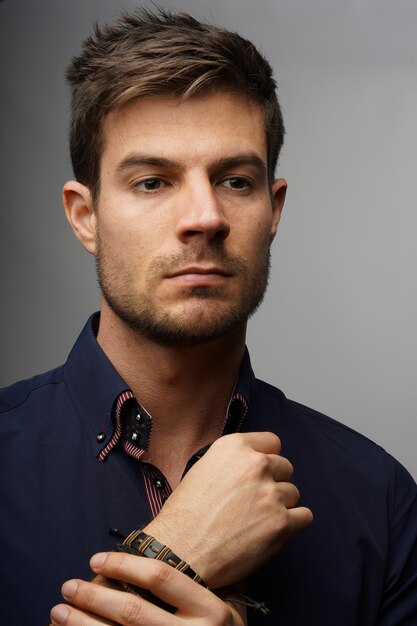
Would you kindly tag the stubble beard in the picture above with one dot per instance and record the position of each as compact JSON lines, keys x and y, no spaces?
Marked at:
{"x":217,"y":320}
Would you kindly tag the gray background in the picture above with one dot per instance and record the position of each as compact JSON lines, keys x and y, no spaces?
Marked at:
{"x":338,"y":329}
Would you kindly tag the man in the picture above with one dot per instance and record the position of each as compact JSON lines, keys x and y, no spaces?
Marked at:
{"x":175,"y":136}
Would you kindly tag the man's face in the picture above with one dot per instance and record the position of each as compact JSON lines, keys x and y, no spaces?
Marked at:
{"x":185,"y":216}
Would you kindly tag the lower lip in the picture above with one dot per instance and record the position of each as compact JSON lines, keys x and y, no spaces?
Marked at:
{"x":199,"y":280}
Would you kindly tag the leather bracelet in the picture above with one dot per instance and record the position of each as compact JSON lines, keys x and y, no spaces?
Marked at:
{"x":148,"y":546}
{"x":141,"y":544}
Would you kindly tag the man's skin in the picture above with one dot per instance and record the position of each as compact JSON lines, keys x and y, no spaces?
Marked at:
{"x":195,"y":604}
{"x":182,"y":228}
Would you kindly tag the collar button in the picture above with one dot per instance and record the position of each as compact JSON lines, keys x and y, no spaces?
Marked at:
{"x":101,"y":437}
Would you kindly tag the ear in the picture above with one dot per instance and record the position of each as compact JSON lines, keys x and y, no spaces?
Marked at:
{"x":80,"y":213}
{"x":278,"y":192}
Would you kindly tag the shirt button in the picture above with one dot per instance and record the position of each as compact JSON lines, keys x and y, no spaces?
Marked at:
{"x":134,"y":436}
{"x":139,"y":418}
{"x":159,"y":483}
{"x":101,"y":437}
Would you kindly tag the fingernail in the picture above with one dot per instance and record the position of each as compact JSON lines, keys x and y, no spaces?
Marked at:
{"x":59,"y":615}
{"x":69,"y":588}
{"x":98,"y":559}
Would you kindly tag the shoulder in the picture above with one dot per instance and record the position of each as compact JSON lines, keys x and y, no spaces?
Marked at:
{"x":314,"y":438}
{"x":27,"y":392}
{"x":294,"y":414}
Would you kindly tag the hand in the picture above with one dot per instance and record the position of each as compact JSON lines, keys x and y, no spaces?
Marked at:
{"x":233,"y":510}
{"x":92,"y":604}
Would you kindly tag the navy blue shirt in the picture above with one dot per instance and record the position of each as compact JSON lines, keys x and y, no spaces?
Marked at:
{"x":355,"y":566}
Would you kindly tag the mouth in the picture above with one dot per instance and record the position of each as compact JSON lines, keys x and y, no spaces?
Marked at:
{"x":197,"y":276}
{"x":199,"y":271}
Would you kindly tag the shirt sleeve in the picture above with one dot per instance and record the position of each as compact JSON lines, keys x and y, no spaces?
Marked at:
{"x":399,"y":602}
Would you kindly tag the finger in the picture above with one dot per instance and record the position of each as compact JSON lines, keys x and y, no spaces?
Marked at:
{"x":265,"y":442}
{"x":281,"y":468}
{"x":64,"y":615}
{"x":290,"y":523}
{"x":301,"y":517}
{"x":161,"y":579}
{"x":103,"y":603}
{"x":287,"y":494}
{"x":106,"y":582}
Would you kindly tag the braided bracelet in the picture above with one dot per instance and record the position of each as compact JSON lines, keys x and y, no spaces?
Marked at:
{"x":141,"y":544}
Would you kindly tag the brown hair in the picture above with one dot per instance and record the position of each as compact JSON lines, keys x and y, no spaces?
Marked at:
{"x":154,"y":53}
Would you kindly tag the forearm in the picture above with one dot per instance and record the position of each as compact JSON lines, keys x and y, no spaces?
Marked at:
{"x":232,"y":511}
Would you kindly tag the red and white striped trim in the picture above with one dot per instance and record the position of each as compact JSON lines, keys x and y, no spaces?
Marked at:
{"x":126,"y":395}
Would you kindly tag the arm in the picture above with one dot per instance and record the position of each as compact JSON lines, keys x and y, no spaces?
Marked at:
{"x":233,"y":510}
{"x":399,"y":601}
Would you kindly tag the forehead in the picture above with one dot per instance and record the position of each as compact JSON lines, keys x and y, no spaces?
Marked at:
{"x":191,"y":131}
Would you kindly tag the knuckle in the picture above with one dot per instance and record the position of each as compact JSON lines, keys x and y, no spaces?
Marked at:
{"x":283,"y":469}
{"x":89,"y":593}
{"x":282,"y":521}
{"x":229,"y":440}
{"x":133,"y":611}
{"x":259,"y":463}
{"x":276,"y":441}
{"x":297,"y":493}
{"x":116,"y":564}
{"x":228,"y":445}
{"x":160,"y":574}
{"x":288,"y":495}
{"x":289,"y":467}
{"x":218,"y":444}
{"x":293,"y":493}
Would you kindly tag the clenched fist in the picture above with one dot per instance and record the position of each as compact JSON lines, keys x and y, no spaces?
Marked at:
{"x":233,"y":510}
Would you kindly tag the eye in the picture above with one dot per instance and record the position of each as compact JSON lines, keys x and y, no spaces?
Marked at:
{"x":237,"y":183}
{"x":149,"y":185}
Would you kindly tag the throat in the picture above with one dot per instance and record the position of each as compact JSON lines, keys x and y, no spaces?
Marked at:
{"x":170,"y":458}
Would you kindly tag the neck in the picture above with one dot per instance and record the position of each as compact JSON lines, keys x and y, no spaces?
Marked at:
{"x":186,"y":390}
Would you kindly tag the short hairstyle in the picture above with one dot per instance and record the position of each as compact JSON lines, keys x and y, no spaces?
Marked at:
{"x":153,"y":53}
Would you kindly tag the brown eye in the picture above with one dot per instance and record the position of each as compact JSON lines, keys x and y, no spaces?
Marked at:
{"x":236,"y":183}
{"x":149,"y":185}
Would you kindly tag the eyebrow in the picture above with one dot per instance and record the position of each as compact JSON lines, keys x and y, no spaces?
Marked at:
{"x":250,"y":158}
{"x":137,"y":160}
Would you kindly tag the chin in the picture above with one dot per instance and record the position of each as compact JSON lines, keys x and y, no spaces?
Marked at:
{"x":190,"y":325}
{"x":190,"y":330}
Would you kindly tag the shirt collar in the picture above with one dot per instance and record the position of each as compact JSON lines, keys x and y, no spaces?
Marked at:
{"x":95,"y":386}
{"x":246,"y":378}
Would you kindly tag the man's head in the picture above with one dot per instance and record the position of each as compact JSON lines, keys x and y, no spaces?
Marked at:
{"x":163,"y":53}
{"x":175,"y":136}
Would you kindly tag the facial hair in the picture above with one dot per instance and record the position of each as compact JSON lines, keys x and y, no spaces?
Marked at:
{"x":218,"y":319}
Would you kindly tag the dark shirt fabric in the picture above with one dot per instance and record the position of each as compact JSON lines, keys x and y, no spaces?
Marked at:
{"x":355,"y":566}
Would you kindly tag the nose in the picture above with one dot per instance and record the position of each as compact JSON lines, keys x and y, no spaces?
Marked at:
{"x":201,"y":214}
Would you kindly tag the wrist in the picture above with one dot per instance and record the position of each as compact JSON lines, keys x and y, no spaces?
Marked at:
{"x":188,"y":549}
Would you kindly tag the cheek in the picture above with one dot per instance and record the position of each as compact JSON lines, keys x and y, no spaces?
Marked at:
{"x":117,"y":233}
{"x":252,"y":236}
{"x":121,"y":253}
{"x":124,"y":223}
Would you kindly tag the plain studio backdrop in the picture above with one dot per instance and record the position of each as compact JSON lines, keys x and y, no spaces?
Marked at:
{"x":337,"y":330}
